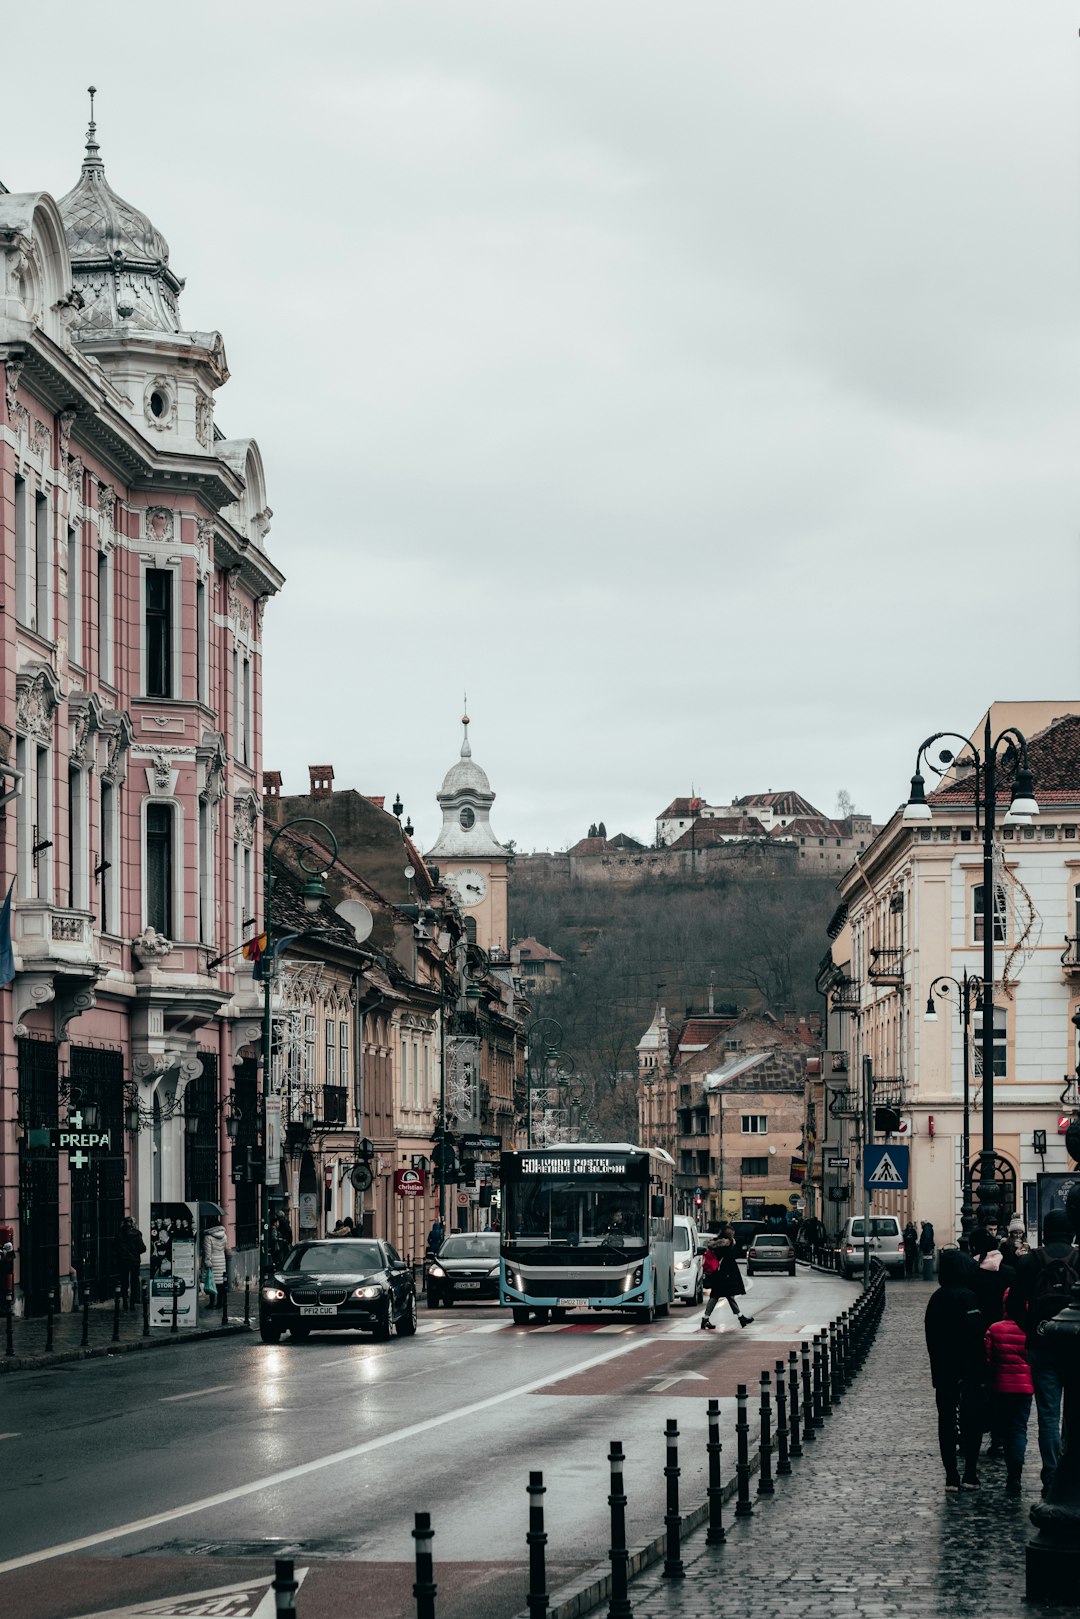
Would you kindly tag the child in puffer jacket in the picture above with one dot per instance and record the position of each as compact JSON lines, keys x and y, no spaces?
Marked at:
{"x":1011,"y":1388}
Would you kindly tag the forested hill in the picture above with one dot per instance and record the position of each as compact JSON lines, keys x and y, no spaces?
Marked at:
{"x":754,"y":940}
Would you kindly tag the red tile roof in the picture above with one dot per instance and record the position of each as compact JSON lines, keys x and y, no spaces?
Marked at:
{"x":785,"y":803}
{"x":1054,"y":760}
{"x":679,"y":809}
{"x":718,"y":829}
{"x":532,"y":950}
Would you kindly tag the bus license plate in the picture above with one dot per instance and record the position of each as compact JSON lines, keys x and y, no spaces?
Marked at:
{"x":318,"y":1309}
{"x":574,"y":1304}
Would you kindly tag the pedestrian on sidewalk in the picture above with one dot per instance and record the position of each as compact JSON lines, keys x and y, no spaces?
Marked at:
{"x":927,"y":1242}
{"x":1044,"y":1280}
{"x":130,"y":1247}
{"x":993,"y":1279}
{"x":954,"y":1342}
{"x":1011,"y":1388}
{"x":723,"y":1278}
{"x":911,"y":1249}
{"x":215,"y":1257}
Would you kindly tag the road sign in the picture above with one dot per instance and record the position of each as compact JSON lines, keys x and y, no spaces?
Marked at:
{"x":885,"y":1169}
{"x":838,"y":1194}
{"x":409,"y":1182}
{"x":837,"y":1163}
{"x":463,"y":1200}
{"x":483,"y":1143}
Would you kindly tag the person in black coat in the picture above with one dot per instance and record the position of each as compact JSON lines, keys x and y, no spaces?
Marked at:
{"x":130,"y":1247}
{"x":954,"y":1342}
{"x":1032,"y":1311}
{"x":723,"y":1279}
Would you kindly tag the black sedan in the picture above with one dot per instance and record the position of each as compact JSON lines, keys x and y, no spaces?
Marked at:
{"x":467,"y":1267}
{"x":339,"y":1285}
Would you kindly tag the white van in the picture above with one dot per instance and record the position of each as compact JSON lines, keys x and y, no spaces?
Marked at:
{"x":689,"y":1245}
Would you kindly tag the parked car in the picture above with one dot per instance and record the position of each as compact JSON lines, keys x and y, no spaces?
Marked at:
{"x":689,"y":1288}
{"x":770,"y":1250}
{"x":886,"y":1244}
{"x":339,"y":1285}
{"x":466,"y":1267}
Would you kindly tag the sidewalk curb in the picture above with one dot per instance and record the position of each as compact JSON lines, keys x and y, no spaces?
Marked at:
{"x":585,"y":1594}
{"x":58,"y":1357}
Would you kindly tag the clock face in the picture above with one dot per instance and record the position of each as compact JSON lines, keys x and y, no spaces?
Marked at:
{"x":471,"y":887}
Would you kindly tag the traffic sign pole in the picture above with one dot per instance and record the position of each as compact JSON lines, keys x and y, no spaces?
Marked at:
{"x":868,"y":1096}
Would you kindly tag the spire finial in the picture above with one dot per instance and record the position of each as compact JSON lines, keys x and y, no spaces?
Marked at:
{"x":92,"y":160}
{"x":466,"y":751}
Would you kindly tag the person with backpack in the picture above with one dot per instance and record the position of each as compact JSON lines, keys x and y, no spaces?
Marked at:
{"x":911,"y":1249}
{"x":954,"y":1342}
{"x":1045,"y":1279}
{"x":722,"y":1278}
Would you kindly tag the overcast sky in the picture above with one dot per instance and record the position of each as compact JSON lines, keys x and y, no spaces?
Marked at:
{"x":694,"y":384}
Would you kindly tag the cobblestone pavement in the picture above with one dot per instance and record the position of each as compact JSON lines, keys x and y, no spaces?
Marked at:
{"x":863,"y":1528}
{"x":28,"y":1337}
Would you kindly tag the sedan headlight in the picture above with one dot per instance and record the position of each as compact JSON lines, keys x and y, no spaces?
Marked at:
{"x":273,"y":1294}
{"x":494,"y":1271}
{"x":436,"y":1270}
{"x":682,"y":1264}
{"x":367,"y":1292}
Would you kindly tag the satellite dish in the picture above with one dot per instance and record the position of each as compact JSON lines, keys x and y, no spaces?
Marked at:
{"x":358,"y":917}
{"x":410,"y":873}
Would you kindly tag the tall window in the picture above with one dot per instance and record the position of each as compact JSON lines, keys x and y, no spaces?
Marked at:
{"x":74,"y":594}
{"x":206,"y":871}
{"x":202,"y":644}
{"x":42,"y":544}
{"x":78,"y":841}
{"x":309,"y":1052}
{"x":104,"y":617}
{"x":343,"y":1047}
{"x":979,"y":914}
{"x":1001,"y":1031}
{"x":24,"y":571}
{"x":330,"y":1077}
{"x":42,"y":849}
{"x":159,"y":868}
{"x":405,"y":1071}
{"x":236,"y":702}
{"x":159,"y":583}
{"x":108,"y":870}
{"x":245,"y":723}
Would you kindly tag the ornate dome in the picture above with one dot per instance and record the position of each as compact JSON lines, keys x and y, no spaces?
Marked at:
{"x":119,"y":260}
{"x":465,"y":776}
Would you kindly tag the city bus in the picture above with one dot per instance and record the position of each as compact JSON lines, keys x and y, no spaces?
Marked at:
{"x":587,"y":1226}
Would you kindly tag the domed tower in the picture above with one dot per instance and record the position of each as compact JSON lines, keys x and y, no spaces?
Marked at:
{"x":469,"y":856}
{"x":130,"y":311}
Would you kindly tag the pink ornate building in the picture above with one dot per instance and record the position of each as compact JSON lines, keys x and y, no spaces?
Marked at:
{"x":134,"y":581}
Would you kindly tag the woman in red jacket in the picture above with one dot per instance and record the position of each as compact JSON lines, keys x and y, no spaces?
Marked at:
{"x":1011,"y":1387}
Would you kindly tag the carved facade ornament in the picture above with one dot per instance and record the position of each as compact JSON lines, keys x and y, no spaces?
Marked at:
{"x":75,"y":481}
{"x":239,"y":612}
{"x":106,"y":516}
{"x":19,"y":417}
{"x":158,"y":407}
{"x":159,"y":524}
{"x":151,"y":946}
{"x":204,"y":536}
{"x":119,"y":733}
{"x":85,"y":712}
{"x":41,"y":442}
{"x":204,"y":420}
{"x":37,"y":693}
{"x":260,"y":611}
{"x":211,"y":760}
{"x":13,"y":370}
{"x":66,"y":421}
{"x":73,"y":998}
{"x":245,"y":818}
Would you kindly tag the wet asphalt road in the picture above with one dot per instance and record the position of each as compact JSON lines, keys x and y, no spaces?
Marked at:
{"x":184,"y":1468}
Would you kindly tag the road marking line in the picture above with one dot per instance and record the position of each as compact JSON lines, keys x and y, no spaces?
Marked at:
{"x":303,"y":1469}
{"x":9,"y":1436}
{"x":196,"y":1394}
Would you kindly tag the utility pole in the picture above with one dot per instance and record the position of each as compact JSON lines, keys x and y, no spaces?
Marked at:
{"x":867,"y":1124}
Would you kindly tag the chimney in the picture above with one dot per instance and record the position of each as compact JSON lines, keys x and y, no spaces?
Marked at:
{"x":271,"y":783}
{"x":322,"y":780}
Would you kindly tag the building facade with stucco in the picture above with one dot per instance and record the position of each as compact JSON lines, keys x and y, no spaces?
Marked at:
{"x":135,"y":577}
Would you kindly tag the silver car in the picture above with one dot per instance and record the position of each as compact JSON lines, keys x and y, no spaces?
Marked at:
{"x":886,"y":1244}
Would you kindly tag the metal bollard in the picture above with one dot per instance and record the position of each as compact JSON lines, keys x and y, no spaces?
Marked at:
{"x":836,"y":1389}
{"x":145,"y":1290}
{"x":424,"y":1589}
{"x":225,"y":1301}
{"x":619,"y":1606}
{"x":807,"y":1397}
{"x":716,"y":1533}
{"x":536,"y":1540}
{"x":819,"y":1420}
{"x":9,"y":1328}
{"x":116,"y":1316}
{"x":175,"y":1325}
{"x":85,"y":1340}
{"x":247,"y":1301}
{"x":841,"y":1351}
{"x":673,"y":1563}
{"x":285,"y":1585}
{"x":49,"y":1325}
{"x":743,"y":1505}
{"x":783,"y":1464}
{"x":826,"y":1376}
{"x":765,"y":1479}
{"x":795,"y":1443}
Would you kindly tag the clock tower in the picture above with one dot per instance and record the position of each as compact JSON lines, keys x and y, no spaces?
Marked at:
{"x":470,"y":859}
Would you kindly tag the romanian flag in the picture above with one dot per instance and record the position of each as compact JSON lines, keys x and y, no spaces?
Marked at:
{"x":255,"y":949}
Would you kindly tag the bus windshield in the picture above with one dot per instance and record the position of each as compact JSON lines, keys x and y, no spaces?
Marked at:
{"x":578,"y":1209}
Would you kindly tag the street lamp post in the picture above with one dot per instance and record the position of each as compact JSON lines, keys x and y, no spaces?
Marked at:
{"x":968,"y":994}
{"x":313,"y":892}
{"x":1022,"y":809}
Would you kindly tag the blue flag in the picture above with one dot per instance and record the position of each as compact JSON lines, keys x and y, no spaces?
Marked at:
{"x":7,"y":955}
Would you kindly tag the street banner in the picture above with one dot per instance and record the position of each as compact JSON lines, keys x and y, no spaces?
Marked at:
{"x":273,"y":1140}
{"x":174,"y":1264}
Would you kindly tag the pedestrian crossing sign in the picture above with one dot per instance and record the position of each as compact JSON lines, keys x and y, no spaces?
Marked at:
{"x":885,"y":1169}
